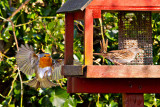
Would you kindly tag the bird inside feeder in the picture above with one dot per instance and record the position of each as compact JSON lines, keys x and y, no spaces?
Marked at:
{"x":134,"y":40}
{"x":118,"y":57}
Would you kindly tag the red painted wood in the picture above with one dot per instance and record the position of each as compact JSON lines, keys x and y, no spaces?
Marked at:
{"x":69,"y":32}
{"x":79,"y":15}
{"x":96,"y":13}
{"x":69,"y":85}
{"x":133,"y":100}
{"x":68,"y":56}
{"x":113,"y":71}
{"x":137,"y":85}
{"x":126,"y":8}
{"x":88,"y":37}
{"x":112,"y":85}
{"x":113,"y":3}
{"x":123,"y":71}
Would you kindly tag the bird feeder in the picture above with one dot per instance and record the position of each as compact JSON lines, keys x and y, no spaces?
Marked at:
{"x":138,"y":77}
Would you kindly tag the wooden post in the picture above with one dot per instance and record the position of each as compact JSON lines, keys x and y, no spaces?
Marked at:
{"x":88,"y":37}
{"x":69,"y":33}
{"x":133,"y":100}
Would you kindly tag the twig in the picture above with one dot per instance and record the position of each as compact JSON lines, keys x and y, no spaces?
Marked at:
{"x":102,"y":33}
{"x":79,"y":28}
{"x":80,"y":98}
{"x":10,"y":89}
{"x":60,"y":85}
{"x":34,"y":20}
{"x":14,"y":34}
{"x":21,"y":87}
{"x":12,"y":85}
{"x":3,"y":18}
{"x":2,"y":96}
{"x":16,"y":11}
{"x":98,"y":99}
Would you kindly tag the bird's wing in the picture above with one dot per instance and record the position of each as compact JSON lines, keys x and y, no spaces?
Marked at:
{"x":26,"y":59}
{"x":57,"y":67}
{"x":56,"y":70}
{"x":120,"y":54}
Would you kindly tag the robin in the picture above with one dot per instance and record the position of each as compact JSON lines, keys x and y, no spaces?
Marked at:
{"x":42,"y":65}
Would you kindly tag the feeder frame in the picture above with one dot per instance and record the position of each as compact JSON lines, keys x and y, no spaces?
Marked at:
{"x":88,"y":78}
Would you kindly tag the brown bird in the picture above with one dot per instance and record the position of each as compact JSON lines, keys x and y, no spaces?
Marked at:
{"x":119,"y":57}
{"x":42,"y":65}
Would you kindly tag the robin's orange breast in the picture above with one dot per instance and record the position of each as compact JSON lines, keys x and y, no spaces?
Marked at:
{"x":45,"y":61}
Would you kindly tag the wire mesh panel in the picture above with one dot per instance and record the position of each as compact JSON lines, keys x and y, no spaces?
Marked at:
{"x":135,"y":31}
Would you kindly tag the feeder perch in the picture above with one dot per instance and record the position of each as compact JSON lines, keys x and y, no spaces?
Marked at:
{"x":137,"y":77}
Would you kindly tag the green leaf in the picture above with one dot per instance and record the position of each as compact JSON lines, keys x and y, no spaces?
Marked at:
{"x":70,"y":102}
{"x":46,"y":11}
{"x":59,"y":97}
{"x":48,"y":49}
{"x":31,"y":16}
{"x":106,"y":96}
{"x":51,"y":25}
{"x":99,"y":104}
{"x":113,"y":104}
{"x":44,"y":101}
{"x":158,"y":37}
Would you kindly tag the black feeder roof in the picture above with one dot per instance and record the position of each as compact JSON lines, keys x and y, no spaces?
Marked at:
{"x":74,"y":5}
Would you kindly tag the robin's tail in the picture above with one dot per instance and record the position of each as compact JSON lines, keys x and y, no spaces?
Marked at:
{"x":45,"y":83}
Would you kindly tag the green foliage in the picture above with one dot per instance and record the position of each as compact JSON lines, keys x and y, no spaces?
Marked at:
{"x":38,"y":25}
{"x":156,"y":38}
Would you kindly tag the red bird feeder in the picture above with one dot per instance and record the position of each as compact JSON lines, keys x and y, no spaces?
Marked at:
{"x":139,"y":77}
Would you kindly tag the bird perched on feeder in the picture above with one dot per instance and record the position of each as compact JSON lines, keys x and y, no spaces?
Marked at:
{"x":119,"y":57}
{"x":41,"y":64}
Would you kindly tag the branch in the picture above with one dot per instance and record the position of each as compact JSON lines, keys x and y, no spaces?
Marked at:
{"x":12,"y":85}
{"x":21,"y":87}
{"x":14,"y":34}
{"x":3,"y":18}
{"x":11,"y":88}
{"x":101,"y":25}
{"x":16,"y":11}
{"x":34,"y":20}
